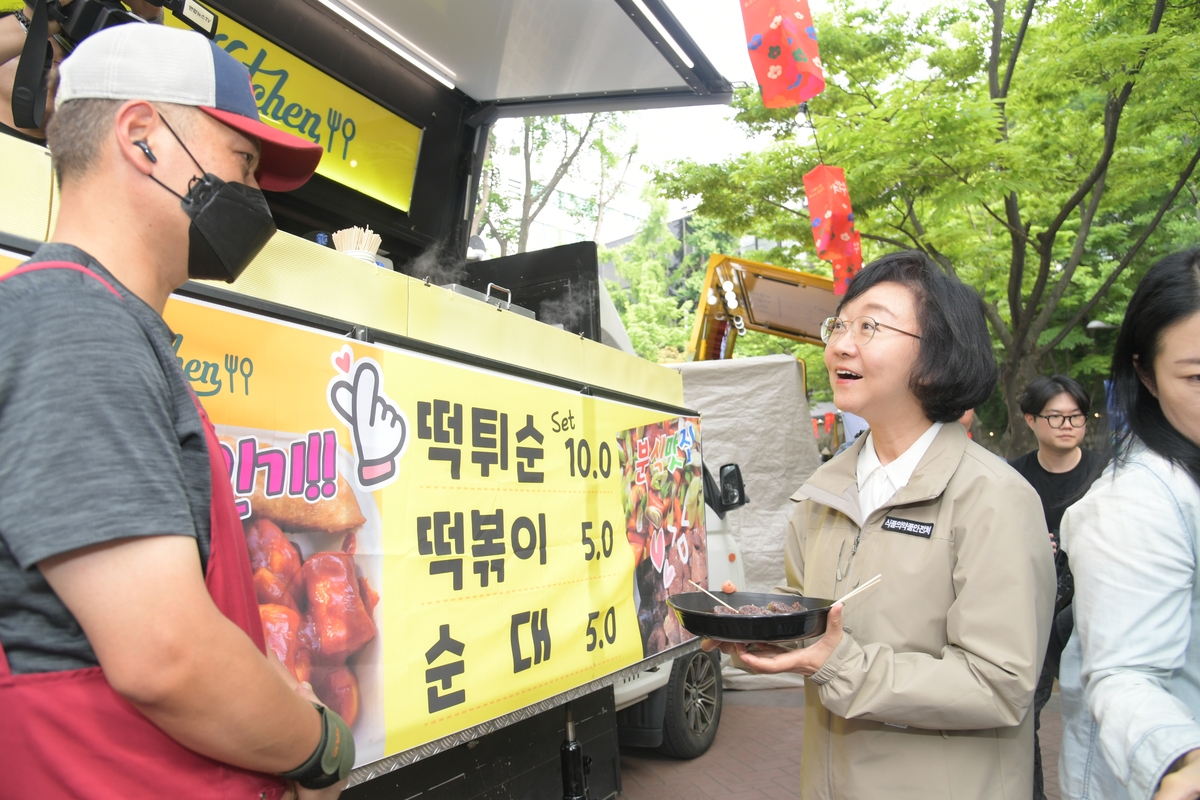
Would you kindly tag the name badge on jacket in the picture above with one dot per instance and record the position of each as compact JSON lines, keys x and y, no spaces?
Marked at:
{"x":897,"y":525}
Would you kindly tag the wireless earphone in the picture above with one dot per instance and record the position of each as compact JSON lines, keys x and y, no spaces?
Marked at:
{"x":145,"y":148}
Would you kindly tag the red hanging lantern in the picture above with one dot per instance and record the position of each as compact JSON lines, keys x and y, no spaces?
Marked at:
{"x":847,"y":261}
{"x":783,"y":51}
{"x":832,"y":218}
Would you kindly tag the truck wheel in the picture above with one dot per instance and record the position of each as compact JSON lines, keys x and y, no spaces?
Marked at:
{"x":693,"y":706}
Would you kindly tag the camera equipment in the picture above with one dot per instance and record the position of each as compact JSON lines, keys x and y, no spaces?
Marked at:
{"x":82,"y":18}
{"x":79,"y":20}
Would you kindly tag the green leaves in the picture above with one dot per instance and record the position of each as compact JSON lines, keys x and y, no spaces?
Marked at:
{"x":657,"y":323}
{"x":977,"y":157}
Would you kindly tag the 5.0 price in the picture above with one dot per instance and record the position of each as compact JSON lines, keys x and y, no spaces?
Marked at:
{"x":606,"y":542}
{"x":580,"y":459}
{"x":610,"y":629}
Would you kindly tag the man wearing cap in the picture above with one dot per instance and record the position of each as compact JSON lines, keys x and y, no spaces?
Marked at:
{"x":132,"y":662}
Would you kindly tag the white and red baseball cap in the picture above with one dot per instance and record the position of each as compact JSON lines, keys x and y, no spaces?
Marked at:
{"x":140,"y":61}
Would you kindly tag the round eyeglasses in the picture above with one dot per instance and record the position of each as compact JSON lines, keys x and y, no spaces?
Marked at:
{"x":862,"y":330}
{"x":1058,"y":420}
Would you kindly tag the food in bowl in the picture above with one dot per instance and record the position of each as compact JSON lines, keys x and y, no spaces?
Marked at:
{"x":774,"y":607}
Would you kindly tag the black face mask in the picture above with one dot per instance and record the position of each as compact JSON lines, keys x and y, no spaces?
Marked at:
{"x":231,"y":223}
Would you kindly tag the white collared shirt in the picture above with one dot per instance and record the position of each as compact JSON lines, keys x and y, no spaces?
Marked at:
{"x":877,"y":484}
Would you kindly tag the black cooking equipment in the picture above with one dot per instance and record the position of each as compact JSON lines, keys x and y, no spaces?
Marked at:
{"x":560,"y":283}
{"x":695,"y":613}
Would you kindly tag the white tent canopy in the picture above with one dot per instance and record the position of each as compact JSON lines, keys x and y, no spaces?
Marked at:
{"x":754,"y":413}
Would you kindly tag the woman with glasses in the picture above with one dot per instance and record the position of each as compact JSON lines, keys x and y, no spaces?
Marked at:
{"x":1060,"y":470}
{"x":1130,"y":672}
{"x":921,"y":686}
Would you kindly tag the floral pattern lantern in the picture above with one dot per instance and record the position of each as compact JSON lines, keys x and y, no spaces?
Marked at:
{"x":783,"y":51}
{"x":832,"y":218}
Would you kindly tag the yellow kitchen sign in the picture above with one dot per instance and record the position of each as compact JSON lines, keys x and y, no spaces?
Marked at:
{"x":367,"y":147}
{"x":436,"y":545}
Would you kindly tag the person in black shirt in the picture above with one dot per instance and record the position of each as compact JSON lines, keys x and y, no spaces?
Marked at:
{"x":1056,"y":410}
{"x":1061,"y":471}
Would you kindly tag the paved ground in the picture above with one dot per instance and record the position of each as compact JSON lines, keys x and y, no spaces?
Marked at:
{"x":756,"y":754}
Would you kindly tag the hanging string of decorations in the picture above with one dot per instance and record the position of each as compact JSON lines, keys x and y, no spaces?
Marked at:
{"x":722,"y":322}
{"x":832,"y":217}
{"x":782,"y":41}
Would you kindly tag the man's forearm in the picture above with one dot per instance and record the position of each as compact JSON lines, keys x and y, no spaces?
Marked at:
{"x":227,"y":702}
{"x":145,"y":10}
{"x":166,"y":647}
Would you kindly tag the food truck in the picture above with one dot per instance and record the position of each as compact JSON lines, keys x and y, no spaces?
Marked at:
{"x":503,"y":547}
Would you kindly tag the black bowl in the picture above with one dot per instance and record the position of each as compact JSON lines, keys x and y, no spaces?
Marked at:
{"x":695,"y":613}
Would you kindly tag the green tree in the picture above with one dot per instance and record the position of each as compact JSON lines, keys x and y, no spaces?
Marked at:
{"x":493,"y":207}
{"x":816,"y":377}
{"x":702,"y":237}
{"x":548,"y":148}
{"x":657,"y":323}
{"x":612,"y":156}
{"x":1043,"y":153}
{"x":592,"y":149}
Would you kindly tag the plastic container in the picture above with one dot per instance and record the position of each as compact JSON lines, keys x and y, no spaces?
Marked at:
{"x":694,"y":610}
{"x":363,"y":255}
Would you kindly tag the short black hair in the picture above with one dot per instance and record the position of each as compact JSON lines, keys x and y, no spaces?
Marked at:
{"x":956,"y":367}
{"x":1042,"y":390}
{"x":1168,"y":294}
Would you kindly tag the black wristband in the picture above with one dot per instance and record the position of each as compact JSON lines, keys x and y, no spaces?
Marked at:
{"x":22,"y":19}
{"x":332,"y":760}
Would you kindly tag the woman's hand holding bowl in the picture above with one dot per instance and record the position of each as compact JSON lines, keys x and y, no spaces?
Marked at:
{"x":768,"y":659}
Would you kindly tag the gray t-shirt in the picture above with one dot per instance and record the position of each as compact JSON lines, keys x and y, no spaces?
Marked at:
{"x":99,"y":440}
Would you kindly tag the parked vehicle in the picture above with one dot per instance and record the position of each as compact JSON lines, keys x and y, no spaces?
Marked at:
{"x":506,"y":572}
{"x":676,"y":706}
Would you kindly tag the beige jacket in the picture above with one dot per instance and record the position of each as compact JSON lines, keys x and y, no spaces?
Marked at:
{"x":928,"y":694}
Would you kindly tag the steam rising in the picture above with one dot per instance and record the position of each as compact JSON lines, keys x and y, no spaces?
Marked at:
{"x":437,"y":265}
{"x":571,"y":310}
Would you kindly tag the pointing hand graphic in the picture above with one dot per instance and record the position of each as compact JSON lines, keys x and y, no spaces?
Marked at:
{"x":379,"y":426}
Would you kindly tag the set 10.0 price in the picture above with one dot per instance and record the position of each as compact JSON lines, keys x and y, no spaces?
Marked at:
{"x":580,"y":459}
{"x":609,"y":632}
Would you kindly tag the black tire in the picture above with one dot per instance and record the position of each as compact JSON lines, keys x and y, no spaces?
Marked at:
{"x":694,"y":701}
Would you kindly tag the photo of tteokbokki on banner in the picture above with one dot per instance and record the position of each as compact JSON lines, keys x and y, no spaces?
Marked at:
{"x":304,"y":525}
{"x":663,"y":495}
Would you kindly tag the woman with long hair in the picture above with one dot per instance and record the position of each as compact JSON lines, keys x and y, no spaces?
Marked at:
{"x":1130,"y":673}
{"x":922,"y":686}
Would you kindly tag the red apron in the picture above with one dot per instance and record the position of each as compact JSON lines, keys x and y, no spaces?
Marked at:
{"x":69,"y":735}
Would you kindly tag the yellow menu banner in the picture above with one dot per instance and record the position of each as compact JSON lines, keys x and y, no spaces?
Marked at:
{"x":435,"y":544}
{"x":367,"y":147}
